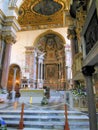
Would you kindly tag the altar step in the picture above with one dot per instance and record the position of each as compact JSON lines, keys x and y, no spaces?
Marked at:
{"x":45,"y":120}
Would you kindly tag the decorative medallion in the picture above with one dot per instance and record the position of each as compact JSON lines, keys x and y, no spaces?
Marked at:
{"x":21,"y":12}
{"x":46,"y":7}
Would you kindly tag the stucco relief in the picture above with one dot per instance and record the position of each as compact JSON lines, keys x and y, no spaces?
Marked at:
{"x":51,"y":45}
{"x":46,"y":13}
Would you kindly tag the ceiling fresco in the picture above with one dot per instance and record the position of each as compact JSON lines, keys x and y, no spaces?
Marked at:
{"x":47,"y":7}
{"x":41,"y":14}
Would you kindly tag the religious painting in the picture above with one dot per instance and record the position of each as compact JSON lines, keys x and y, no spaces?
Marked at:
{"x":51,"y":71}
{"x":47,"y":7}
{"x":51,"y":55}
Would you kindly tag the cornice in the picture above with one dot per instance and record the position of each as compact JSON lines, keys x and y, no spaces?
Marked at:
{"x":12,"y":3}
{"x":12,"y":21}
{"x":10,"y":26}
{"x":2,"y":15}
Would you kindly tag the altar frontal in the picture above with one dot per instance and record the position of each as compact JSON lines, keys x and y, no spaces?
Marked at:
{"x":31,"y":95}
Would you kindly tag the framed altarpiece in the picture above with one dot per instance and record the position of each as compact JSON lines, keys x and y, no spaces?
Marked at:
{"x":51,"y":72}
{"x":51,"y":75}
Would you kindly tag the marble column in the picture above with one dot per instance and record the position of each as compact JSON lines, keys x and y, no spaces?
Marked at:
{"x":8,"y":41}
{"x":87,"y":72}
{"x":44,"y":71}
{"x":36,"y":72}
{"x":14,"y":82}
{"x":2,"y":46}
{"x":41,"y":71}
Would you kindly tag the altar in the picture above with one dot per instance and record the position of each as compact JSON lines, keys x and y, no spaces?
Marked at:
{"x":29,"y":95}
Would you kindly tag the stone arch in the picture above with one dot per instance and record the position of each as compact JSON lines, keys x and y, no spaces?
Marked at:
{"x":47,"y":32}
{"x":54,"y":59}
{"x":11,"y":76}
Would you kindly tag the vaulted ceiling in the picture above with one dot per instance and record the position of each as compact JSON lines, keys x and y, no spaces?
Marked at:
{"x":41,"y":14}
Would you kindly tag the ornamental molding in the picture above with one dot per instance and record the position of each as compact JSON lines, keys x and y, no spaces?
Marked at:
{"x":30,"y":9}
{"x":10,"y":26}
{"x":2,"y":16}
{"x":71,"y":33}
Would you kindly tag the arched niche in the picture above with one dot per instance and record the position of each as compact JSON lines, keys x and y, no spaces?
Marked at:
{"x":49,"y":32}
{"x":11,"y":77}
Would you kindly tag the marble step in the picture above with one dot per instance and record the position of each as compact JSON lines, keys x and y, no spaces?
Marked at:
{"x":46,"y":119}
{"x":71,"y":128}
{"x":37,"y":124}
{"x":41,"y":111}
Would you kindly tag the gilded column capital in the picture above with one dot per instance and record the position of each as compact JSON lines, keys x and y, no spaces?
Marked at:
{"x":88,"y":70}
{"x":9,"y":39}
{"x":71,"y":33}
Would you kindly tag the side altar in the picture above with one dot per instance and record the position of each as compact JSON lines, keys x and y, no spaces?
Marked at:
{"x":29,"y":95}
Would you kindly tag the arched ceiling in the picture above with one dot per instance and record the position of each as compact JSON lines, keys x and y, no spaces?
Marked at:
{"x":50,"y":46}
{"x":41,"y":14}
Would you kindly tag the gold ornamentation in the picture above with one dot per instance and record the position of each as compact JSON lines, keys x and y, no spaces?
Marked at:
{"x":9,"y":39}
{"x":29,"y":19}
{"x":21,"y":11}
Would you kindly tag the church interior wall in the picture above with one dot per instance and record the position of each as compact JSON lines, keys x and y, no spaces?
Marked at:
{"x":27,"y":38}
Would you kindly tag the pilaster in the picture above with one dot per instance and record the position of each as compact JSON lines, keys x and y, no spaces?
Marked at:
{"x":88,"y":72}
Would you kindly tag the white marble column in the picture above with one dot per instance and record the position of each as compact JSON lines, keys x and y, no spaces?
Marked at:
{"x":41,"y":71}
{"x":38,"y":70}
{"x":44,"y":71}
{"x":14,"y":82}
{"x":36,"y":84}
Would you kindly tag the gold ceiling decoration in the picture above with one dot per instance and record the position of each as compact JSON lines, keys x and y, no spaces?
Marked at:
{"x":41,"y":14}
{"x":47,"y":7}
